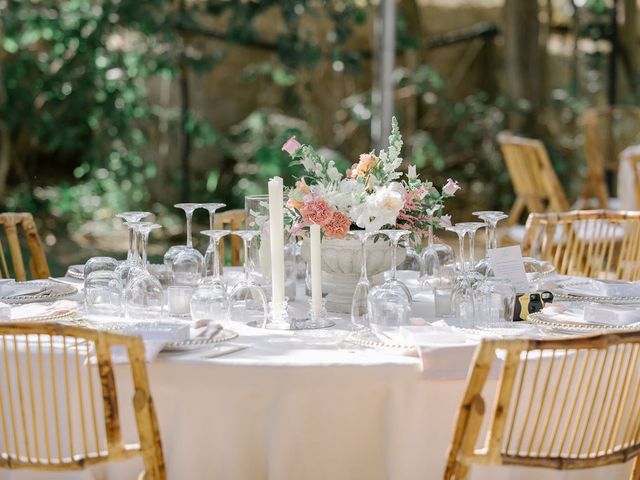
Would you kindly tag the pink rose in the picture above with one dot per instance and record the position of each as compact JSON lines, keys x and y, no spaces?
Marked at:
{"x":337,"y":226}
{"x":316,"y":211}
{"x":450,"y":188}
{"x":291,"y":146}
{"x":445,"y":220}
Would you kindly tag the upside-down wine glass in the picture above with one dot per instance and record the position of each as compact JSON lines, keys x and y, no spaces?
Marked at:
{"x":434,"y":257}
{"x":248,"y":300}
{"x":144,"y":295}
{"x":210,"y":301}
{"x":131,"y":218}
{"x":491,"y":219}
{"x":359,"y":307}
{"x":185,"y":263}
{"x":473,"y":227}
{"x":462,"y":297}
{"x":389,"y":304}
{"x":216,"y":272}
{"x":210,"y":254}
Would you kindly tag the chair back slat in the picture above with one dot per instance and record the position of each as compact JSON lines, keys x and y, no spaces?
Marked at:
{"x":59,"y":404}
{"x":562,"y":403}
{"x":231,"y":220}
{"x":589,"y":243}
{"x":533,"y":178}
{"x":37,"y":260}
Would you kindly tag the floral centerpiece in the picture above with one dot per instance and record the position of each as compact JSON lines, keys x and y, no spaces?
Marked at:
{"x":371,"y":195}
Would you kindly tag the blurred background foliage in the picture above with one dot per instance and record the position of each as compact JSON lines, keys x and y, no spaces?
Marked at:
{"x":83,"y":125}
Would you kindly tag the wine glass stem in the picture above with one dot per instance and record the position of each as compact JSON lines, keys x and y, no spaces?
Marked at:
{"x":461,"y":239}
{"x":130,"y":252}
{"x":145,"y":240}
{"x":394,"y":257}
{"x":189,"y":218}
{"x":488,"y":239}
{"x":430,"y":239}
{"x":494,"y":239}
{"x":211,"y":226}
{"x":363,"y":267}
{"x":472,"y":249}
{"x":246,"y":260}
{"x":216,"y":259}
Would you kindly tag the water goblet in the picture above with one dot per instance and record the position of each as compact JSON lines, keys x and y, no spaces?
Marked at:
{"x":473,"y":227}
{"x":248,"y":300}
{"x":359,"y":305}
{"x":103,"y":293}
{"x":210,"y":301}
{"x":434,"y":257}
{"x":216,"y":272}
{"x":491,"y":219}
{"x":389,"y":309}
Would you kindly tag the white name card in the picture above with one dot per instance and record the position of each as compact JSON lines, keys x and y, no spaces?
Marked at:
{"x":506,"y":262}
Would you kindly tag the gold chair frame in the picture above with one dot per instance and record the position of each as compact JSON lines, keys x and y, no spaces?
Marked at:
{"x":231,"y":220}
{"x":548,"y":390}
{"x":38,"y":261}
{"x":589,"y":243}
{"x":533,"y":178}
{"x":35,"y":418}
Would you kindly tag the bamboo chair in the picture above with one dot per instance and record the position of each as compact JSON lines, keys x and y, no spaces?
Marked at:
{"x":608,"y":131}
{"x":37,"y":261}
{"x":570,"y":403}
{"x":534,"y":181}
{"x":231,"y":220}
{"x":589,"y":243}
{"x":59,"y":412}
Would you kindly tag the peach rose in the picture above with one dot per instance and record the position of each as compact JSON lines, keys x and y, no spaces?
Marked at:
{"x":316,"y":211}
{"x":337,"y":226}
{"x":302,"y":186}
{"x":366,"y":163}
{"x":293,"y":203}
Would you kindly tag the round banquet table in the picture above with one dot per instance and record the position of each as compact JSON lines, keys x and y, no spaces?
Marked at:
{"x":303,"y":406}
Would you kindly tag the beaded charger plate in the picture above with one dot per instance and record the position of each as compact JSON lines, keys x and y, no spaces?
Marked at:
{"x":542,"y":320}
{"x":41,"y":291}
{"x":367,"y":338}
{"x":76,"y":271}
{"x":195,"y":343}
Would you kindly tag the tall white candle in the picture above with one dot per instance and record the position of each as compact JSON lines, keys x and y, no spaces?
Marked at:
{"x":276,"y":235}
{"x":316,"y":271}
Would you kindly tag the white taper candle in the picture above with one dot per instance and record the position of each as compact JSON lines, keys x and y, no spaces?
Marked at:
{"x":316,"y":271}
{"x":276,"y":235}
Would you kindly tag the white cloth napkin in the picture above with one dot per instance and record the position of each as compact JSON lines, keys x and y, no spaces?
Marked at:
{"x":442,"y":348}
{"x":593,"y":314}
{"x":605,"y":288}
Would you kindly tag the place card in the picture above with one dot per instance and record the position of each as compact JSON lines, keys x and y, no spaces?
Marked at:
{"x":506,"y":262}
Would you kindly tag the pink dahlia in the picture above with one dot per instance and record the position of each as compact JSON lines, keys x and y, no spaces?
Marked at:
{"x":337,"y":226}
{"x":316,"y":211}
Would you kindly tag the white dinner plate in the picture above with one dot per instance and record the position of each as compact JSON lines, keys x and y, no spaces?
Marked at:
{"x":34,"y":291}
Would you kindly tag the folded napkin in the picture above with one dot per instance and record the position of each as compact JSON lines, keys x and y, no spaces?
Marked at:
{"x":445,"y":351}
{"x":604,"y":288}
{"x":594,"y":314}
{"x":33,"y":311}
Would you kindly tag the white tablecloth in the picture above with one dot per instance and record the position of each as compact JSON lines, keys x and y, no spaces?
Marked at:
{"x":295,"y":406}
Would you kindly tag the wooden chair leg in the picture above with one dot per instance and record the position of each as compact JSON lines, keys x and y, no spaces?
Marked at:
{"x":635,"y":472}
{"x":516,"y":211}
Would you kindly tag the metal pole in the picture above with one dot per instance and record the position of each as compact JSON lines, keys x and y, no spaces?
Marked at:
{"x":384,"y":64}
{"x":614,"y":54}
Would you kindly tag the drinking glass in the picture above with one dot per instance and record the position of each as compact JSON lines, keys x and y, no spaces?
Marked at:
{"x":185,"y":263}
{"x":434,"y":257}
{"x":256,"y":214}
{"x":124,"y":269}
{"x":248,"y":300}
{"x":103,"y":293}
{"x":359,"y":305}
{"x":495,"y":300}
{"x":96,"y":264}
{"x":462,"y":300}
{"x":210,"y":301}
{"x":491,"y":219}
{"x":214,"y":262}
